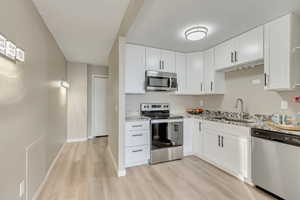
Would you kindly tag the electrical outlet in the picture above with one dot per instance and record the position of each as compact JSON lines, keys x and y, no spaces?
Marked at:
{"x":284,"y":105}
{"x":22,"y":188}
{"x":201,"y":103}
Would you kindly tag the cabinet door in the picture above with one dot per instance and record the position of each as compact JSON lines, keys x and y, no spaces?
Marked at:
{"x":209,"y":71}
{"x":135,"y":67}
{"x":168,"y":61}
{"x":224,"y":55}
{"x":249,"y":46}
{"x":277,"y":48}
{"x":153,"y":59}
{"x":233,"y":157}
{"x":188,"y":136}
{"x":194,"y":73}
{"x":180,"y":65}
{"x":197,"y":138}
{"x":211,"y":148}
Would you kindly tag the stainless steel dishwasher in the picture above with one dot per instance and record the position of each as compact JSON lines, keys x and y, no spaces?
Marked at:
{"x":276,"y":163}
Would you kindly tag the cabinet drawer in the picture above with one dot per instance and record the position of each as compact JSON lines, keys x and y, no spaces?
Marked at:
{"x":136,"y":155}
{"x":137,"y":126}
{"x":136,"y":138}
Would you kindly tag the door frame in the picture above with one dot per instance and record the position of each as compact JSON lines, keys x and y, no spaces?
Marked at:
{"x":93,"y":102}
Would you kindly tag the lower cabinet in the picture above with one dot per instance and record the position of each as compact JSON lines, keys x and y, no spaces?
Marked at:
{"x":137,"y":145}
{"x":192,"y":137}
{"x":228,"y":147}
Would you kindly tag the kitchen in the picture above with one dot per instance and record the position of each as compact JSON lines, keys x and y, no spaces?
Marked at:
{"x":150,"y":99}
{"x":237,"y":83}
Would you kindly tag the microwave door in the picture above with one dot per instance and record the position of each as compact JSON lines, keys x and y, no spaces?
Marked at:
{"x":158,"y":83}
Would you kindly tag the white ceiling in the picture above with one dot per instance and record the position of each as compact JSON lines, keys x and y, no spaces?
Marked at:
{"x":84,"y":29}
{"x":161,"y":23}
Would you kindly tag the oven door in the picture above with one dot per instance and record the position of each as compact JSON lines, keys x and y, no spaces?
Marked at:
{"x":166,"y":140}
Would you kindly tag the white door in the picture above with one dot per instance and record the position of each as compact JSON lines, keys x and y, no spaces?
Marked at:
{"x":99,"y":106}
{"x":135,"y":69}
{"x":277,"y":60}
{"x":197,"y":138}
{"x":153,"y":59}
{"x":188,"y":136}
{"x":250,"y":46}
{"x":211,"y":148}
{"x":168,"y":61}
{"x":194,"y":73}
{"x":181,"y":72}
{"x":232,"y":154}
{"x":224,"y":55}
{"x":209,"y":71}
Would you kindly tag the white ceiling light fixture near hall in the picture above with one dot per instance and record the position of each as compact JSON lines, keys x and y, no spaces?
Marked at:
{"x":84,"y":30}
{"x":196,"y":33}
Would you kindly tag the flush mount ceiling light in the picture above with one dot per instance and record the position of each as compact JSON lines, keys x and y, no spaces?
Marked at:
{"x":196,"y":33}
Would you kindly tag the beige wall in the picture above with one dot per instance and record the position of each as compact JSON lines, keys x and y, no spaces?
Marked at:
{"x":257,"y":100}
{"x":77,"y":101}
{"x":117,"y":103}
{"x":33,"y":106}
{"x":178,"y":104}
{"x":93,"y":70}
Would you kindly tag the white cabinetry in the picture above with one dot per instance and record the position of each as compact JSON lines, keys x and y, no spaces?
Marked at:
{"x":180,"y":64}
{"x":135,"y":67}
{"x":244,"y":49}
{"x":194,"y":72}
{"x":192,"y":137}
{"x":188,"y":132}
{"x":160,"y":60}
{"x":228,"y":147}
{"x":137,"y":145}
{"x":282,"y":71}
{"x":214,"y":82}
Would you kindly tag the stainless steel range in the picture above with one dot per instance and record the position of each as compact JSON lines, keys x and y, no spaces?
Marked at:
{"x":166,"y":133}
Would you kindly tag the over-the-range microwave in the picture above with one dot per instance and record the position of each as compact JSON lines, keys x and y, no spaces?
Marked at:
{"x":161,"y":81}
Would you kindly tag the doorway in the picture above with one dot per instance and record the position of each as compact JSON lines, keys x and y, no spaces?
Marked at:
{"x":99,"y":106}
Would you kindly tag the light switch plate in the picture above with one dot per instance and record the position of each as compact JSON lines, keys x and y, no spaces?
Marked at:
{"x":284,"y":105}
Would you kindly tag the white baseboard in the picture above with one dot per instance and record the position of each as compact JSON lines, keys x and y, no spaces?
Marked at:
{"x":118,"y":172}
{"x":77,"y":140}
{"x":39,"y":190}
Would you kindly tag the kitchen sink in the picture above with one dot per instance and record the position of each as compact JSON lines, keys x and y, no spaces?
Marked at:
{"x":234,"y":120}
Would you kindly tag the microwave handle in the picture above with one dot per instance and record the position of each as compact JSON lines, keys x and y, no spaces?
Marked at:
{"x":171,"y":81}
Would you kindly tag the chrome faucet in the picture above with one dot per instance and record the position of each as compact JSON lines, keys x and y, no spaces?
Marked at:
{"x":242,"y":106}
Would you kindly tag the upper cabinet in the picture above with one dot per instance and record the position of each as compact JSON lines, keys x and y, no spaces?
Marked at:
{"x":244,"y":49}
{"x":180,"y":66}
{"x":160,"y":60}
{"x":135,"y":67}
{"x":282,"y":60}
{"x":214,"y":82}
{"x":194,"y":73}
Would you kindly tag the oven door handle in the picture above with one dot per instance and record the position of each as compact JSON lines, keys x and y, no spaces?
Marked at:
{"x":159,"y":121}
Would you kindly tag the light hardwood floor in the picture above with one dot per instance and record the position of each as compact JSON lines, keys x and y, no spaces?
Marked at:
{"x":83,"y":172}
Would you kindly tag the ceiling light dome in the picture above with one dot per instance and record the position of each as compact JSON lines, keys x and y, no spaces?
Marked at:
{"x":196,"y":33}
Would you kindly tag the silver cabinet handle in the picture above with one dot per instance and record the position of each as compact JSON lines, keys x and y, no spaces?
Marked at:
{"x":222,"y":138}
{"x":137,"y":126}
{"x":200,"y":128}
{"x":201,"y":86}
{"x":139,"y":150}
{"x":219,"y":141}
{"x":231,"y":54}
{"x":211,"y":86}
{"x":137,"y":135}
{"x":235,"y":56}
{"x":160,"y":64}
{"x":163,"y":64}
